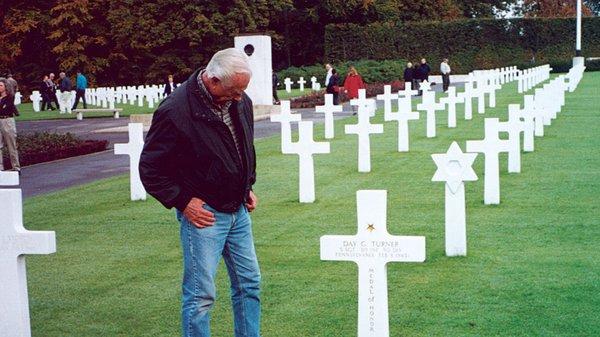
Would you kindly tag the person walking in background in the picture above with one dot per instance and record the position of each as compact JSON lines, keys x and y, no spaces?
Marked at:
{"x":170,"y":86}
{"x":65,"y":87}
{"x":46,"y":92}
{"x":81,"y":85}
{"x":12,"y":83}
{"x":445,"y":70}
{"x":352,"y":83}
{"x":423,"y":72}
{"x":328,"y":68}
{"x":333,"y":86}
{"x":409,"y":75}
{"x":8,"y":128}
{"x":275,"y":79}
{"x":52,"y":85}
{"x":416,"y":78}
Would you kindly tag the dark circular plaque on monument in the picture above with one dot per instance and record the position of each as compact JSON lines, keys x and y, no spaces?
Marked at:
{"x":249,"y":49}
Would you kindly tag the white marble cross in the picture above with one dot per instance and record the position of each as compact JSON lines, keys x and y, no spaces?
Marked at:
{"x":479,"y":92}
{"x":539,"y":115}
{"x":430,"y":106}
{"x":424,"y":86}
{"x":371,"y":249}
{"x":364,"y":129}
{"x":492,"y":87}
{"x":305,"y":147}
{"x":35,"y":98}
{"x":285,"y":117}
{"x":527,"y":114}
{"x":403,"y":115}
{"x":467,"y":96}
{"x":313,"y":81}
{"x":387,"y":98}
{"x":15,"y":243}
{"x":288,"y":84}
{"x":451,"y":101}
{"x":514,"y":126}
{"x":542,"y":104}
{"x":301,"y":82}
{"x":140,"y":94}
{"x":363,"y":101}
{"x":328,"y":109}
{"x":134,"y":150}
{"x":455,"y":167}
{"x":490,"y":146}
{"x":18,"y":98}
{"x":408,"y":92}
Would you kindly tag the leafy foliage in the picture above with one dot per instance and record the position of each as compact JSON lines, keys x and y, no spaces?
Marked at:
{"x":371,"y":71}
{"x":470,"y":44}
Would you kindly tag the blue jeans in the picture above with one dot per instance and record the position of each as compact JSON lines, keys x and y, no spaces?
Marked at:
{"x":230,"y":237}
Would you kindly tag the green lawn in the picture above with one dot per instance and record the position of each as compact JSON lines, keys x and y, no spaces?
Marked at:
{"x":532,"y":267}
{"x":282,"y":94}
{"x":27,"y":113}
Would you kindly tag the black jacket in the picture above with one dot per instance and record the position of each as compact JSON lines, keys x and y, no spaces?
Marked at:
{"x":408,"y":75}
{"x":334,"y":80}
{"x":190,"y":152}
{"x":65,"y":85}
{"x":423,"y":71}
{"x":168,"y":90}
{"x":7,"y":106}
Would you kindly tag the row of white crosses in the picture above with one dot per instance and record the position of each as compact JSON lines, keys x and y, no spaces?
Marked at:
{"x":305,"y":147}
{"x":372,"y":247}
{"x":301,"y":82}
{"x":529,"y":78}
{"x":539,"y":110}
{"x":15,"y":242}
{"x":106,"y":97}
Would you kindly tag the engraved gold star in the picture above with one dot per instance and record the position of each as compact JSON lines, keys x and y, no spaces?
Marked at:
{"x":370,"y":228}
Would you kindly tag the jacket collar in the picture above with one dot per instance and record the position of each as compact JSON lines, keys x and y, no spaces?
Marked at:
{"x":198,"y":108}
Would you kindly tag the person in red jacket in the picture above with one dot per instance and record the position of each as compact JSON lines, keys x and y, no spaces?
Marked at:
{"x":351,"y":85}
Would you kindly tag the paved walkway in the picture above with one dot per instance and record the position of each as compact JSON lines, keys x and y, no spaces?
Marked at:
{"x":53,"y":176}
{"x":57,"y":175}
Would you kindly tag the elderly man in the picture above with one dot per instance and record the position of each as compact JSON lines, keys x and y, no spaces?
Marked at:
{"x":199,"y":158}
{"x":65,"y":88}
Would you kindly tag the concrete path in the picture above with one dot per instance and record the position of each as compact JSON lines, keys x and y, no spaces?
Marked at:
{"x":57,"y":175}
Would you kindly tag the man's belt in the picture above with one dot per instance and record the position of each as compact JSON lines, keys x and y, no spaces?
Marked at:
{"x":5,"y":117}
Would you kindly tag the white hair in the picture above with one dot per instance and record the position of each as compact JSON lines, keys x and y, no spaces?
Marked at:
{"x":226,"y":63}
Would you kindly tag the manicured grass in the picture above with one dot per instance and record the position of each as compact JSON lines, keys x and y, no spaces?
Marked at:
{"x":27,"y":113}
{"x":532,"y":266}
{"x":282,"y":94}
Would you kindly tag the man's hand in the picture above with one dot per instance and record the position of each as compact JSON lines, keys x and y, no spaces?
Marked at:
{"x":251,"y":202}
{"x":197,"y":215}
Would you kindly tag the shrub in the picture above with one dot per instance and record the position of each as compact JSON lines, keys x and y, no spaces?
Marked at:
{"x":469,"y":44}
{"x":43,"y":147}
{"x":318,"y":98}
{"x":370,"y":70}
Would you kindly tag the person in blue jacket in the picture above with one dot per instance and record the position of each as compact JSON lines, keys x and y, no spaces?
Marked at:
{"x":81,"y":85}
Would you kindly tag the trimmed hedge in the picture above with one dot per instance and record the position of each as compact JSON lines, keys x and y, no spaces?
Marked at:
{"x":43,"y":147}
{"x":370,"y":70}
{"x":469,"y":44}
{"x":318,"y":97}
